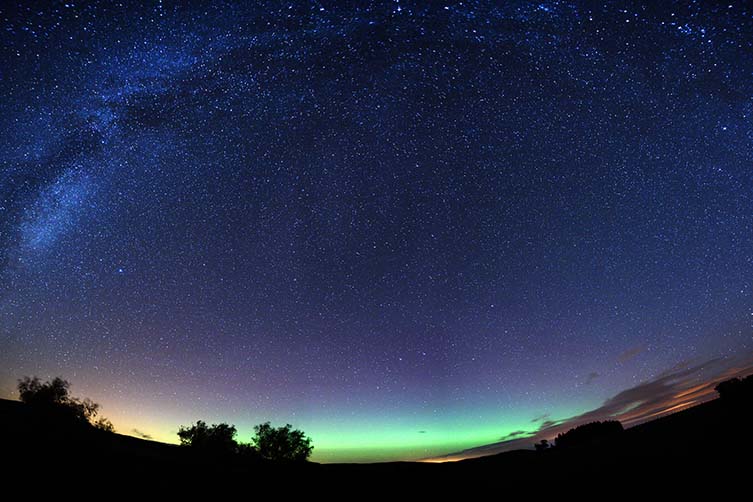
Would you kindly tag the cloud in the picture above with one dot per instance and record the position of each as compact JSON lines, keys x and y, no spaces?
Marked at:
{"x":514,"y":435}
{"x":681,"y":386}
{"x":422,"y":432}
{"x":142,"y":435}
{"x":591,"y":377}
{"x":549,"y":423}
{"x":540,"y":418}
{"x":630,"y":354}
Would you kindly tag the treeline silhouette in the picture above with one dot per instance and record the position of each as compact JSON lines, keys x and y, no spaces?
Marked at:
{"x":277,"y":444}
{"x":52,"y":401}
{"x":585,"y":436}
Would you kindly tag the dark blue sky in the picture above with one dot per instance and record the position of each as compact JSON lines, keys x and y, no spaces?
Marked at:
{"x":409,"y":229}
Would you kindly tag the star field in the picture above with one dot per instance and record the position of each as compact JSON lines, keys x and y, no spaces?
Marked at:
{"x":407,"y":228}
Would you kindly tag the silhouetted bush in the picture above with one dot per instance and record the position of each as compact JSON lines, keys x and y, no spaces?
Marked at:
{"x":729,"y":388}
{"x":542,"y":445}
{"x":216,"y":438}
{"x":53,"y":398}
{"x":282,"y":444}
{"x":590,"y":434}
{"x":736,"y":388}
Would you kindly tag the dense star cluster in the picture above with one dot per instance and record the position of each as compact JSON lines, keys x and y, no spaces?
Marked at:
{"x":407,"y":228}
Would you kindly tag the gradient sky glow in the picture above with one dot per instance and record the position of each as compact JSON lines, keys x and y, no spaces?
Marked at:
{"x":410,"y":229}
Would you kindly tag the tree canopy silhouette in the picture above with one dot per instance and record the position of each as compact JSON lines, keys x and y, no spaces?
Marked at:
{"x":53,"y":397}
{"x":737,"y":393}
{"x":215,"y":438}
{"x":281,"y":444}
{"x":735,"y":388}
{"x":590,"y":434}
{"x":33,"y":391}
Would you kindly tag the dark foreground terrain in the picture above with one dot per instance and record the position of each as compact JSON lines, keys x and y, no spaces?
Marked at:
{"x":703,"y":445}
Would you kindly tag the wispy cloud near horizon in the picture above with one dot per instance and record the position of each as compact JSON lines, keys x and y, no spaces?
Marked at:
{"x":139,"y":434}
{"x":685,"y":384}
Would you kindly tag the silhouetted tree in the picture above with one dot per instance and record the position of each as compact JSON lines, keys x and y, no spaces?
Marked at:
{"x":247,"y":453}
{"x":737,"y":393}
{"x":735,"y":388}
{"x":215,"y":438}
{"x":729,"y":389}
{"x":53,"y":397}
{"x":542,"y":445}
{"x":33,"y":391}
{"x":590,"y":434}
{"x":282,"y":444}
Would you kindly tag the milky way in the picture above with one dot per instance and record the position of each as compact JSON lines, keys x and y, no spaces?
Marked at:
{"x":408,"y":229}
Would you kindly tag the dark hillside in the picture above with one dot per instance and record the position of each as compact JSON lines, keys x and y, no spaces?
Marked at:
{"x":701,"y":441}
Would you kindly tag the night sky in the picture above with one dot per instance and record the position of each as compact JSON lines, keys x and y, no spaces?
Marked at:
{"x":407,"y":229}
